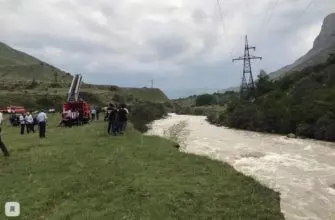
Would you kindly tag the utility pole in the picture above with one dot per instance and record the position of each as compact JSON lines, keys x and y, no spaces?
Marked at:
{"x":247,"y":85}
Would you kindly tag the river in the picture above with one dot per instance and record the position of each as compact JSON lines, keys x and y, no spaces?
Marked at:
{"x":303,"y":171}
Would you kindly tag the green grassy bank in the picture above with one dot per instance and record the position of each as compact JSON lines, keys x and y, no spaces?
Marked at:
{"x":81,"y":173}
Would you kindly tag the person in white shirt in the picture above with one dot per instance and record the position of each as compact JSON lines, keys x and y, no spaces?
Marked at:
{"x":22,"y":122}
{"x":93,"y":113}
{"x":2,"y":145}
{"x":42,"y":121}
{"x":29,"y":123}
{"x":69,"y":114}
{"x":1,"y":118}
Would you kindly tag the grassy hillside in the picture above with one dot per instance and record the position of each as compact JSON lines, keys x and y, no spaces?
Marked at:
{"x":10,"y":56}
{"x":25,"y":80}
{"x":52,"y":95}
{"x":81,"y":173}
{"x":16,"y":65}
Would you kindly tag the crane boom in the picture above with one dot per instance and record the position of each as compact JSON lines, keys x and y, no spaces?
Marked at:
{"x":73,"y":93}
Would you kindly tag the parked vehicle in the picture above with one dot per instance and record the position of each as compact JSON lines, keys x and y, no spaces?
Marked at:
{"x":13,"y":109}
{"x":75,"y":105}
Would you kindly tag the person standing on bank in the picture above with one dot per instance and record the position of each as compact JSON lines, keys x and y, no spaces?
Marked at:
{"x":122,"y":118}
{"x":2,"y":145}
{"x":112,"y":120}
{"x":42,"y":121}
{"x":93,"y":113}
{"x":1,"y":118}
{"x":29,"y":123}
{"x":22,"y":123}
{"x":97,"y":111}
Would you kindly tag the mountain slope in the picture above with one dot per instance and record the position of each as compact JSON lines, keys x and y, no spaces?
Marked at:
{"x":27,"y":81}
{"x":323,"y":46}
{"x":16,"y":65}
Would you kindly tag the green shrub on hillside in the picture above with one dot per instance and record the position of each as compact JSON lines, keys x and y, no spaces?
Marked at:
{"x":305,"y":130}
{"x":206,"y":99}
{"x":114,"y":88}
{"x":301,"y":103}
{"x":143,"y":113}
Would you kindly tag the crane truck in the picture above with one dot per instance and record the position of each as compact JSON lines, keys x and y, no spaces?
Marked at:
{"x":75,"y":104}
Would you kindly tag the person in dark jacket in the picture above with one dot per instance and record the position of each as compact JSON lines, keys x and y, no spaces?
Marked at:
{"x":112,"y":119}
{"x":22,"y":123}
{"x":122,"y":118}
{"x":2,"y":145}
{"x":80,"y":116}
{"x":97,"y":108}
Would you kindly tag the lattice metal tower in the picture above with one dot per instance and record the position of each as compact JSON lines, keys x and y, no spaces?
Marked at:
{"x":247,"y":85}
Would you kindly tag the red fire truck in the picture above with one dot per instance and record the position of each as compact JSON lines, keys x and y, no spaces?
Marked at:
{"x":13,"y":109}
{"x":75,"y":106}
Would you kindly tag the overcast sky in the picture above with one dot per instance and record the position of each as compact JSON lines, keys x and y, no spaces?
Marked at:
{"x":184,"y":45}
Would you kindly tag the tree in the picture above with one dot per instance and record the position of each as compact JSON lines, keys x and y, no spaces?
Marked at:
{"x":321,"y":127}
{"x":205,"y":99}
{"x":305,"y":130}
{"x":33,"y":84}
{"x":264,"y":84}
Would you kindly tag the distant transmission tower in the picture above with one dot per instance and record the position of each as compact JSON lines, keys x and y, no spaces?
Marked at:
{"x":247,"y":85}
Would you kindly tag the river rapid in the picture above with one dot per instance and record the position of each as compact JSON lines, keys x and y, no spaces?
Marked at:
{"x":303,"y":171}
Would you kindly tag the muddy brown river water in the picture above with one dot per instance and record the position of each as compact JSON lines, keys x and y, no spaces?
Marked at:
{"x":303,"y":171}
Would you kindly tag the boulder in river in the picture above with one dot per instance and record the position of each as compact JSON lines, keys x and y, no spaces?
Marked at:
{"x":291,"y":135}
{"x":253,"y":154}
{"x":176,"y":145}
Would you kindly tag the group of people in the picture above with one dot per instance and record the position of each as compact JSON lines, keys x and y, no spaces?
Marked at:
{"x":75,"y":116}
{"x":26,"y":121}
{"x":117,"y":117}
{"x":95,"y":112}
{"x":72,"y":117}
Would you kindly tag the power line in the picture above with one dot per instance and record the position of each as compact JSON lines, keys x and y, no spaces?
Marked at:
{"x":307,"y":7}
{"x":268,"y":19}
{"x":221,"y":16}
{"x":271,"y":12}
{"x":265,"y":21}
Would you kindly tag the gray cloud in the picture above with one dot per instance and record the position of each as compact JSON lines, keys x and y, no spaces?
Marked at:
{"x":182,"y":44}
{"x":167,"y":47}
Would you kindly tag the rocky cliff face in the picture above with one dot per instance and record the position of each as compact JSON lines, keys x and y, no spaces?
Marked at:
{"x":323,"y":45}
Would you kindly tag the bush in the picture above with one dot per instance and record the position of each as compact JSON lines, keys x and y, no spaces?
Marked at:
{"x":321,"y":127}
{"x":222,"y":118}
{"x":206,"y":99}
{"x":330,"y":131}
{"x":143,"y":113}
{"x":32,"y":85}
{"x":114,"y":88}
{"x":119,"y":98}
{"x":213,"y":118}
{"x":305,"y":130}
{"x":198,"y":111}
{"x":55,"y":85}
